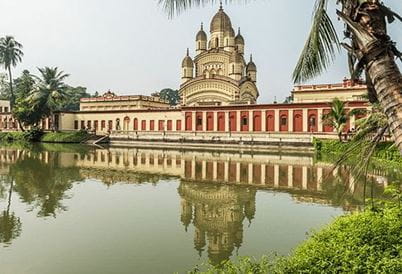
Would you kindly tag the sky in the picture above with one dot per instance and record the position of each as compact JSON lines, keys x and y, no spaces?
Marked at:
{"x":132,"y":47}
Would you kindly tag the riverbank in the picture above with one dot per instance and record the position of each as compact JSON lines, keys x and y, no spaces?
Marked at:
{"x":385,"y":153}
{"x":45,"y":137}
{"x":360,"y":242}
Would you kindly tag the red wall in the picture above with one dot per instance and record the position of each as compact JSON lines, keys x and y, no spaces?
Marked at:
{"x":244,"y":115}
{"x":189,"y":121}
{"x":312,"y":126}
{"x":143,"y":125}
{"x":178,"y":125}
{"x":152,"y":125}
{"x":210,"y":121}
{"x":283,"y":114}
{"x":198,"y":116}
{"x":135,"y":124}
{"x":257,"y":121}
{"x":169,"y":125}
{"x":221,"y":121}
{"x":297,"y":121}
{"x":270,"y":120}
{"x":233,"y":121}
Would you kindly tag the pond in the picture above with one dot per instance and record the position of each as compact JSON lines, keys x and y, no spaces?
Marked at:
{"x":78,"y":209}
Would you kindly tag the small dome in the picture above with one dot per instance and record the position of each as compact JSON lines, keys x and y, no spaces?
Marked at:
{"x":201,"y":35}
{"x":221,"y":22}
{"x":251,"y":66}
{"x":236,"y":57}
{"x":239,"y":40}
{"x":187,"y":61}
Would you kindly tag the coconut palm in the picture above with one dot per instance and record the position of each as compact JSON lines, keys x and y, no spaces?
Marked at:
{"x":337,"y":117}
{"x":10,"y":55}
{"x":370,"y":49}
{"x":49,"y":92}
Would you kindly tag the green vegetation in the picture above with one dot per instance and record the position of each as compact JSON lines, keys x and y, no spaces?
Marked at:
{"x":383,"y":151}
{"x":362,"y":242}
{"x":10,"y":55}
{"x":168,"y":94}
{"x":48,"y":137}
{"x":65,"y":137}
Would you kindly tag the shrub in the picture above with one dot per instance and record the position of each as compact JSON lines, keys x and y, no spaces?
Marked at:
{"x":362,"y":242}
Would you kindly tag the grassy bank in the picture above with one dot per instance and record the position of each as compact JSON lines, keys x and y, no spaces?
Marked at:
{"x":363,"y":242}
{"x":384,"y":152}
{"x":47,"y":137}
{"x":65,"y":137}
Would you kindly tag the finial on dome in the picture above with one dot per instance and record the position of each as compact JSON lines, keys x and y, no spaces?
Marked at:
{"x":251,"y":58}
{"x":220,"y":5}
{"x":202,"y":26}
{"x":239,"y":30}
{"x":188,"y":52}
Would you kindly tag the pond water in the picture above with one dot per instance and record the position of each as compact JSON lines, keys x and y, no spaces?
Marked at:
{"x":76,"y":209}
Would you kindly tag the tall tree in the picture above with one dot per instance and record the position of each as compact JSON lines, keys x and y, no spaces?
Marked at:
{"x":23,"y":111}
{"x":50,"y":91}
{"x":370,"y":50}
{"x":10,"y":55}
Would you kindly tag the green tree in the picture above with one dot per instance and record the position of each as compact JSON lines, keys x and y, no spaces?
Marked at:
{"x":23,"y":111}
{"x":50,"y":92}
{"x":74,"y":95}
{"x":337,"y":117}
{"x":170,"y":95}
{"x":370,"y":49}
{"x":10,"y":55}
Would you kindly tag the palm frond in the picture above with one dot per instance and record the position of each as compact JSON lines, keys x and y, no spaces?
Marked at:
{"x":175,"y":7}
{"x":320,"y":48}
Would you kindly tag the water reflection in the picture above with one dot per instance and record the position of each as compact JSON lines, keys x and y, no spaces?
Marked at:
{"x":217,"y":190}
{"x":217,"y":213}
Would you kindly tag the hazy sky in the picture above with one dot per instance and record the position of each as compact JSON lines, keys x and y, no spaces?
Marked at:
{"x":131,"y":47}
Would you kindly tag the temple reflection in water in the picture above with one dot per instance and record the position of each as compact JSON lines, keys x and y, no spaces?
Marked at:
{"x":217,"y":190}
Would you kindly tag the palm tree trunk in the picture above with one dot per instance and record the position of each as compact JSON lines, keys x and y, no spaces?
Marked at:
{"x":12,"y":99}
{"x":387,"y":81}
{"x":9,"y":196}
{"x":377,"y":55}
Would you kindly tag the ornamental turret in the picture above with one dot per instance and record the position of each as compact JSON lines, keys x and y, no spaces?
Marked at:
{"x":236,"y":66}
{"x":187,"y":68}
{"x":201,"y":41}
{"x":239,"y":42}
{"x":251,"y":70}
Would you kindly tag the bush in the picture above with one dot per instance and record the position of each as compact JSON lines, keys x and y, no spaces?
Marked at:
{"x":363,"y":242}
{"x":65,"y":137}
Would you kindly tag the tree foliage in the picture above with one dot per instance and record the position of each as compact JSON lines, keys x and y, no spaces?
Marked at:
{"x":10,"y":55}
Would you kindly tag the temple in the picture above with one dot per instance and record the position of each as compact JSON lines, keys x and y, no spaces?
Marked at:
{"x":218,"y":102}
{"x":218,"y":75}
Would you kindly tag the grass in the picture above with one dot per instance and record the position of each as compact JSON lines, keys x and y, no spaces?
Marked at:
{"x":65,"y":137}
{"x":386,"y":152}
{"x":360,"y":242}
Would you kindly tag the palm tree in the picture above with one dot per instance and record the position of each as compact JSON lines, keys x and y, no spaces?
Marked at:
{"x":337,"y":117}
{"x":49,"y":92}
{"x":10,"y":54}
{"x":370,"y":50}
